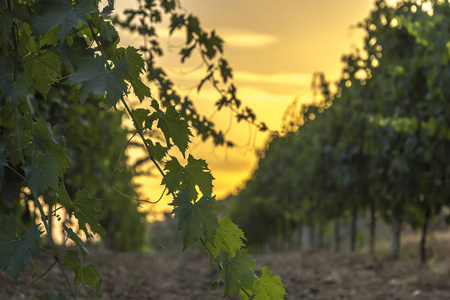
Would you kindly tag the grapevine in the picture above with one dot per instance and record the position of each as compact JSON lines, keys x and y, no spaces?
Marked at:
{"x":375,"y":145}
{"x":45,"y":44}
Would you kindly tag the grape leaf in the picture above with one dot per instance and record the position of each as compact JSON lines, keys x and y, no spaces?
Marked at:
{"x":269,"y":286}
{"x":108,"y":9}
{"x":53,"y":142}
{"x":174,"y":176}
{"x":84,"y":209}
{"x":15,"y":250}
{"x":39,"y":70}
{"x":13,"y":92}
{"x":3,"y":163}
{"x":76,"y":239}
{"x":6,"y":21}
{"x":228,"y":238}
{"x":195,"y":220}
{"x":174,"y":128}
{"x":52,"y":296}
{"x":52,"y":14}
{"x":157,"y":151}
{"x":196,"y":173}
{"x":136,"y":67}
{"x":89,"y":274}
{"x":42,"y":72}
{"x":41,"y":172}
{"x":140,"y":115}
{"x":95,"y":78}
{"x":237,"y":272}
{"x":71,"y":55}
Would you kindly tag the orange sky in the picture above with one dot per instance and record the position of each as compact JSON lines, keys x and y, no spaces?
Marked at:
{"x":274,"y":47}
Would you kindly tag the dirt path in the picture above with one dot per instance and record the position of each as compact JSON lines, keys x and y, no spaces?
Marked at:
{"x":310,"y":275}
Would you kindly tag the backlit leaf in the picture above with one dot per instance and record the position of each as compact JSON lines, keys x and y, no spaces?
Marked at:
{"x":195,"y":220}
{"x":237,"y":272}
{"x":269,"y":286}
{"x":136,"y":67}
{"x":108,"y":9}
{"x":157,"y":151}
{"x":196,"y":173}
{"x":15,"y":250}
{"x":174,"y":128}
{"x":89,"y":274}
{"x":84,"y":208}
{"x":140,"y":115}
{"x":229,"y":237}
{"x":174,"y":176}
{"x":94,"y":77}
{"x":76,"y":239}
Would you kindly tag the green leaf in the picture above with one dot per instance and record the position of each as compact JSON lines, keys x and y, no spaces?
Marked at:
{"x":94,"y":77}
{"x":15,"y":250}
{"x":39,"y":70}
{"x":6,"y":21}
{"x":41,"y":172}
{"x":225,"y":70}
{"x":269,"y":286}
{"x":42,"y":72}
{"x":3,"y":163}
{"x":196,"y":173}
{"x":229,"y":237}
{"x":174,"y":176}
{"x":157,"y":151}
{"x":195,"y":220}
{"x":83,"y":274}
{"x":76,"y":239}
{"x":237,"y":272}
{"x":136,"y":67}
{"x":85,"y":210}
{"x":71,"y":55}
{"x":140,"y":115}
{"x":108,"y":9}
{"x":52,"y":140}
{"x":174,"y":128}
{"x":13,"y":92}
{"x":52,"y":296}
{"x":52,"y":14}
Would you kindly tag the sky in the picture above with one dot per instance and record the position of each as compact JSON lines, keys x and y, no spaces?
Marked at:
{"x":273,"y":47}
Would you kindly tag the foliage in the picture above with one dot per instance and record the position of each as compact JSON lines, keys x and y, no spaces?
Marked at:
{"x":15,"y":250}
{"x":59,"y":51}
{"x":378,"y":142}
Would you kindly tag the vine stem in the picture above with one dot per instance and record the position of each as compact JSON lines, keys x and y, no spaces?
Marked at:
{"x":22,"y":158}
{"x":52,"y":243}
{"x":141,"y":135}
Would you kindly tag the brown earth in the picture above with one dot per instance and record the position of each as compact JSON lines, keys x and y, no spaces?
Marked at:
{"x":307,"y":275}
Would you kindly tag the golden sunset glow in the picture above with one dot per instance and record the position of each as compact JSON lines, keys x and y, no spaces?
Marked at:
{"x":274,"y":47}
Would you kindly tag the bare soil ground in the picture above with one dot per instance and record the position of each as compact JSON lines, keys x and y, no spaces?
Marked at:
{"x":307,"y":275}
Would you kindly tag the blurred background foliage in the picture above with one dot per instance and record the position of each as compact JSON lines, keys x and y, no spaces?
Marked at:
{"x":377,"y":145}
{"x":95,"y":139}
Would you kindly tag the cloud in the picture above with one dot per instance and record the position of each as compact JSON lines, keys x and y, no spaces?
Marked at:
{"x":299,"y":79}
{"x":235,"y":37}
